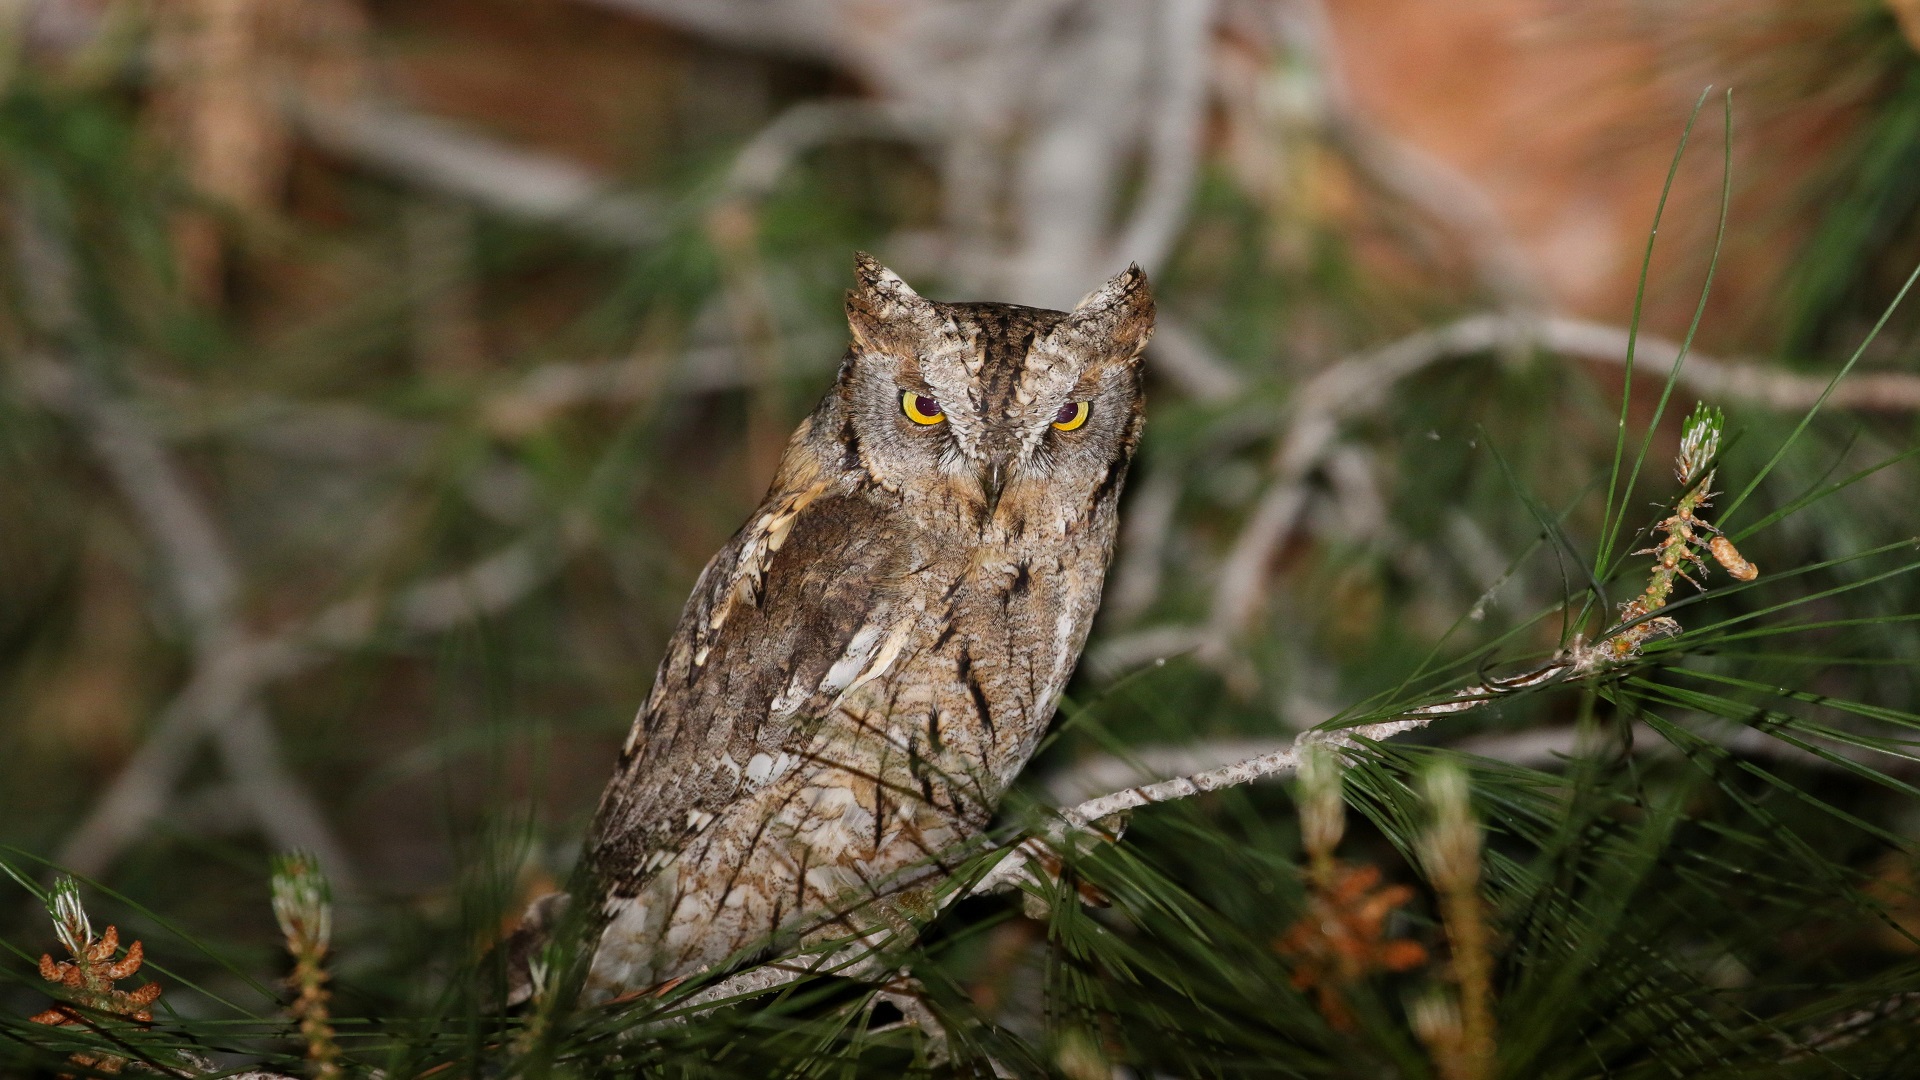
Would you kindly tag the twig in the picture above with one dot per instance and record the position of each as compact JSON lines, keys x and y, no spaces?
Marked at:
{"x":1179,"y":355}
{"x":1104,"y":773}
{"x":202,"y":572}
{"x":435,"y":154}
{"x":1016,"y":867}
{"x":219,"y":694}
{"x":1151,"y":515}
{"x":1286,"y":759}
{"x":1174,"y":136}
{"x":773,"y":151}
{"x":1431,"y":185}
{"x":1361,"y":383}
{"x":1539,"y":748}
{"x":810,"y":29}
{"x":1728,"y":381}
{"x":1684,"y":531}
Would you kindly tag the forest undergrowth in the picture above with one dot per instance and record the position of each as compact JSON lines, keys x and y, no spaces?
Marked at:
{"x":1636,"y":801}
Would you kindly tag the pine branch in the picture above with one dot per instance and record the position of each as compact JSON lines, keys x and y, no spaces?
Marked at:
{"x":1684,"y":530}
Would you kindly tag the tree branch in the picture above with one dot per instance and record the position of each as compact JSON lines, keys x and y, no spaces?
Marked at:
{"x":1362,"y":383}
{"x":435,"y":154}
{"x":808,"y":29}
{"x":201,"y":570}
{"x":1174,"y":135}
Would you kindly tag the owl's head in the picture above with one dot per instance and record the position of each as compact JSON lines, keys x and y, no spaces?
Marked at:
{"x":985,"y":402}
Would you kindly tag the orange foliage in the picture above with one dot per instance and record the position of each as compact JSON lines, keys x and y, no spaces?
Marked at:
{"x":1342,"y":938}
{"x":89,"y":977}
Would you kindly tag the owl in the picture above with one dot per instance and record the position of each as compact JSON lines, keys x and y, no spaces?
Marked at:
{"x":866,"y":666}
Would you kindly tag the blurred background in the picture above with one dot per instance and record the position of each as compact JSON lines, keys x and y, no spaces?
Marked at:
{"x":376,"y":375}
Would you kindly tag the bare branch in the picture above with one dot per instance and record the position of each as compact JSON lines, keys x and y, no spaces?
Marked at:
{"x":435,"y":154}
{"x":1541,"y":748}
{"x":1179,"y":355}
{"x":766,"y":158}
{"x":1149,"y":522}
{"x":219,"y":696}
{"x":1431,"y":185}
{"x":1361,"y":383}
{"x":203,"y":574}
{"x":809,"y":29}
{"x":1286,"y":759}
{"x":1105,"y":773}
{"x":1018,"y":866}
{"x":1240,"y":590}
{"x":201,"y":570}
{"x":1729,"y":381}
{"x":1173,"y":141}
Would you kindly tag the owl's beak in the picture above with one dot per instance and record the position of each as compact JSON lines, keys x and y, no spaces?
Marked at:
{"x":993,"y":481}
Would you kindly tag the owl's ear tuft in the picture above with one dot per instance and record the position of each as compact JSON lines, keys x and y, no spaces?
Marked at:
{"x":882,"y":305}
{"x":1119,"y":312}
{"x":878,"y":281}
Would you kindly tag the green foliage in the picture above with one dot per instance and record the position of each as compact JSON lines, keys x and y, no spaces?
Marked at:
{"x":1720,"y":882}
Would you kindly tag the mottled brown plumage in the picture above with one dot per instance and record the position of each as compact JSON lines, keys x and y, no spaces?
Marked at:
{"x":864,"y":668}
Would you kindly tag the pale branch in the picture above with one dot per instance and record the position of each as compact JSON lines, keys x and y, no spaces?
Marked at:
{"x":1727,"y":381}
{"x":1241,"y":588}
{"x":200,"y":570}
{"x":1018,"y":865}
{"x":1102,"y":774}
{"x":1176,"y":352}
{"x":761,"y":164}
{"x":203,"y":574}
{"x":1121,"y":653}
{"x":1683,"y":533}
{"x":1400,"y":168}
{"x":435,"y":154}
{"x":215,"y":693}
{"x":1540,"y":748}
{"x":432,"y":153}
{"x":1183,"y":359}
{"x":1134,"y":582}
{"x":1030,"y":860}
{"x":807,"y":29}
{"x":1175,"y":132}
{"x":221,"y":693}
{"x":220,"y":700}
{"x":1080,"y":127}
{"x":863,"y":960}
{"x":752,"y":981}
{"x":1360,"y":384}
{"x":1286,"y":759}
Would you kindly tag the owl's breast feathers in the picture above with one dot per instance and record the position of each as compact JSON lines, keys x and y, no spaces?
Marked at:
{"x":838,"y":629}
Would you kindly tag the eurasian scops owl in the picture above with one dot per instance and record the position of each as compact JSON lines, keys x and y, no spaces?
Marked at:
{"x":870,"y":661}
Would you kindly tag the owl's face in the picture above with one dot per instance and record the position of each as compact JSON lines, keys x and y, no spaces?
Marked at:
{"x":985,"y":403}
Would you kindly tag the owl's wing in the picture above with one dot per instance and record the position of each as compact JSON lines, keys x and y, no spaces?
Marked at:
{"x":789,"y":614}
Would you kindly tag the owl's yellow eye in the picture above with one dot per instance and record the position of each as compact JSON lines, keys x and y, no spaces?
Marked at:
{"x":1072,"y":415}
{"x":920,"y":408}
